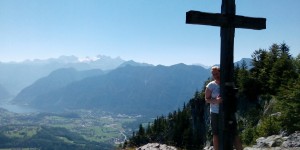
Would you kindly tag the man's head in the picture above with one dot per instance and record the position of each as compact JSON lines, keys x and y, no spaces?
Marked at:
{"x":215,"y":71}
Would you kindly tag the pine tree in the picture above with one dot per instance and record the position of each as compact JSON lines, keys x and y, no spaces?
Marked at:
{"x":289,"y":106}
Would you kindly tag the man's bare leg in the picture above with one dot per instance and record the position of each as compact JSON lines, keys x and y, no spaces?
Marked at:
{"x":216,"y":142}
{"x":237,"y":143}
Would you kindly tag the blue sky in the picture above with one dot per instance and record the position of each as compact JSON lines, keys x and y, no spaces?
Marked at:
{"x":150,"y":31}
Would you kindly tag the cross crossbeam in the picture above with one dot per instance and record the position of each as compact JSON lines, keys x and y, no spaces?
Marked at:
{"x":222,"y":20}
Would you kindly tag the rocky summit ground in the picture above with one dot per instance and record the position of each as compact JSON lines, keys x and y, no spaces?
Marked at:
{"x":274,"y":142}
{"x":277,"y":142}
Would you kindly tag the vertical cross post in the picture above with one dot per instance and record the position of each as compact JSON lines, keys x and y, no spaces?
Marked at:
{"x":228,"y":21}
{"x":227,"y":67}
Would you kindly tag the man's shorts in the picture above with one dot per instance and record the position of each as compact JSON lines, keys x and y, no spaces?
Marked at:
{"x":232,"y":127}
{"x":214,"y":123}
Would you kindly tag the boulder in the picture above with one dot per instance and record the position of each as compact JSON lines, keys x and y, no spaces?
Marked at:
{"x":277,"y":142}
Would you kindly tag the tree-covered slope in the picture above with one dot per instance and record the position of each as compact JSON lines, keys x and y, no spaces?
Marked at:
{"x":268,"y":104}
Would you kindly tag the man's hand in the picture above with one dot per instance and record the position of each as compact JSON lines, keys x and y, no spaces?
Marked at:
{"x":219,"y":100}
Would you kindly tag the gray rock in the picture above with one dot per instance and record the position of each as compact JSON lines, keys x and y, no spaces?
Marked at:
{"x":277,"y":142}
{"x":156,"y":146}
{"x":293,"y":140}
{"x":208,"y":148}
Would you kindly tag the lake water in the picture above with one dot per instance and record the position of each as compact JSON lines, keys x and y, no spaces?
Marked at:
{"x":17,"y":108}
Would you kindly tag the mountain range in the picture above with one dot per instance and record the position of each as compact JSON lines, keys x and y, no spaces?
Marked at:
{"x":104,"y":83}
{"x":14,"y":76}
{"x":146,"y":90}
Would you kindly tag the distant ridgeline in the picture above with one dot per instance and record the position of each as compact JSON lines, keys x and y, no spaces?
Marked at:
{"x":15,"y":76}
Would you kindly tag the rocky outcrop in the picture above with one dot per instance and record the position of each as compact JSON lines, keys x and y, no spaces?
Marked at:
{"x":274,"y":142}
{"x":277,"y":142}
{"x":156,"y":146}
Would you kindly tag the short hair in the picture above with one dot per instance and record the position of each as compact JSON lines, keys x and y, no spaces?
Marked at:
{"x":215,"y":68}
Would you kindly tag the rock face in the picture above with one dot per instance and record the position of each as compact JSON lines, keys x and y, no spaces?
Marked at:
{"x":156,"y":146}
{"x":277,"y":142}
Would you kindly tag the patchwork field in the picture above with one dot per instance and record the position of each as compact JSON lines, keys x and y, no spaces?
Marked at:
{"x":80,"y":127}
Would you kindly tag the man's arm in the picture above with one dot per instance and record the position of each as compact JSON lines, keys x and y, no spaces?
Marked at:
{"x":210,"y":100}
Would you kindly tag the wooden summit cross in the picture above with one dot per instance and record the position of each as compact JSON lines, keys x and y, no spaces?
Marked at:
{"x":228,"y":21}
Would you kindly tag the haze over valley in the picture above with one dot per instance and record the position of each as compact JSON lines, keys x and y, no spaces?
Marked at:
{"x":102,"y":100}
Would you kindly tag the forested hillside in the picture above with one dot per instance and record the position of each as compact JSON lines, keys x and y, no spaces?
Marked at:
{"x":268,"y":103}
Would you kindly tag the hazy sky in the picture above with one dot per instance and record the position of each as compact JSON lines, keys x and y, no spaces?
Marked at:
{"x":150,"y":31}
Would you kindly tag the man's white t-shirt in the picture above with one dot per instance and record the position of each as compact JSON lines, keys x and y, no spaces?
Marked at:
{"x":215,"y":92}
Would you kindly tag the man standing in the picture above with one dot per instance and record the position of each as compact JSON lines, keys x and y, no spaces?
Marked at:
{"x":212,"y":96}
